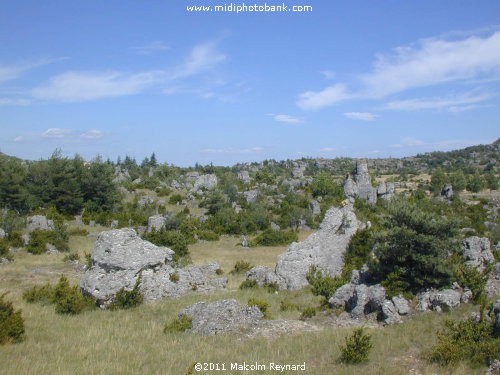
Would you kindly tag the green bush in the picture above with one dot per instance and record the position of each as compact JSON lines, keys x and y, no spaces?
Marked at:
{"x":39,"y":239}
{"x":466,"y":340}
{"x":262,"y":305}
{"x":175,"y":198}
{"x":208,"y":235}
{"x":357,"y":347}
{"x":173,"y":239}
{"x":179,"y":324}
{"x":71,"y":257}
{"x":286,"y":305}
{"x":321,"y":285}
{"x":15,"y":239}
{"x":358,"y":251}
{"x":473,"y":279}
{"x":308,"y":313}
{"x":88,"y":259}
{"x":173,"y":277}
{"x":78,"y":232}
{"x":4,"y":248}
{"x":126,"y":299}
{"x":275,"y":238}
{"x":248,"y":284}
{"x":67,"y":299}
{"x":272,"y":287}
{"x":11,"y":323}
{"x":241,"y":266}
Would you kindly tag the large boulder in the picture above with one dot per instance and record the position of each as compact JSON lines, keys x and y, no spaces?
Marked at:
{"x":366,"y":299}
{"x":493,"y":283}
{"x":244,"y":176}
{"x":263,"y":275}
{"x":323,"y":249}
{"x":402,"y":305}
{"x":120,"y":257}
{"x":438,"y":300}
{"x":39,"y":222}
{"x":223,"y":316}
{"x":390,"y":313}
{"x":342,"y":296}
{"x":476,"y":252}
{"x":360,"y":186}
{"x":2,"y":233}
{"x":156,"y":222}
{"x":206,"y":181}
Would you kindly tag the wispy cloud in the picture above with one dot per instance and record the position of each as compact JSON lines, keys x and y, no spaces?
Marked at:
{"x":152,"y":47}
{"x":287,"y":119}
{"x":57,"y":133}
{"x":19,"y":138}
{"x":447,"y":144}
{"x":328,"y":149}
{"x":453,"y":103}
{"x":328,"y":74}
{"x":92,"y":134}
{"x":79,"y":86}
{"x":11,"y":72}
{"x":202,"y":57}
{"x":364,"y":116}
{"x":429,"y":62}
{"x":251,"y":150}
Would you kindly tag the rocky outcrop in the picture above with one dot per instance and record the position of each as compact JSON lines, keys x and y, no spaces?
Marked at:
{"x":385,"y":190}
{"x":438,"y":300}
{"x":223,"y":316}
{"x":476,"y":252}
{"x":251,"y":195}
{"x":121,"y":175}
{"x":402,"y":305}
{"x":39,"y":222}
{"x":360,"y":185}
{"x":315,"y":207}
{"x":244,"y":176}
{"x":390,"y":314}
{"x":263,"y":275}
{"x":496,"y":319}
{"x":447,"y":191}
{"x":323,"y":249}
{"x":492,"y":287}
{"x":206,"y":181}
{"x":156,"y":222}
{"x":2,"y":233}
{"x":120,"y":257}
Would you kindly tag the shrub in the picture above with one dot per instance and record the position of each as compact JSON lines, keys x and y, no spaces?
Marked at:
{"x":219,"y":271}
{"x":4,"y":247}
{"x":358,"y":251}
{"x":125,"y":299}
{"x":173,"y":277}
{"x":175,"y":198}
{"x":173,"y":239}
{"x":466,"y":340}
{"x":208,"y":235}
{"x":357,"y":347}
{"x":71,"y":257}
{"x":321,"y":285}
{"x":70,"y":300}
{"x":39,"y":239}
{"x":286,"y":305}
{"x":15,"y":238}
{"x":78,"y":232}
{"x":240,"y":267}
{"x":272,"y":287}
{"x":274,"y":238}
{"x":88,"y":260}
{"x":262,"y":305}
{"x":11,"y":322}
{"x":42,"y":294}
{"x":248,"y":284}
{"x":308,"y":313}
{"x":470,"y":277}
{"x":179,"y":324}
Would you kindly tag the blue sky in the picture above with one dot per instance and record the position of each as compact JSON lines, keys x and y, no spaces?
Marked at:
{"x":351,"y":78}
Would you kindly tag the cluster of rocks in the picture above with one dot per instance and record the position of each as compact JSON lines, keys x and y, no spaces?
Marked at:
{"x":38,"y":222}
{"x":323,"y":249}
{"x":359,"y":185}
{"x":223,"y":316}
{"x":120,"y":257}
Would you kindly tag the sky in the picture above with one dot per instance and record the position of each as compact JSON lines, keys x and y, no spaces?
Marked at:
{"x":382,"y":78}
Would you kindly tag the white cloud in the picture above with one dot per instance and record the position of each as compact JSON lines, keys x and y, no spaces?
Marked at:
{"x":80,"y":86}
{"x":453,"y":103}
{"x":325,"y":98}
{"x":202,"y":57}
{"x":429,"y":62}
{"x":92,"y":134}
{"x":19,"y":138}
{"x":57,"y":133}
{"x":328,"y":149}
{"x":328,"y":74}
{"x":365,"y":116}
{"x":9,"y":73}
{"x":251,"y":150}
{"x":287,"y":119}
{"x":152,"y":47}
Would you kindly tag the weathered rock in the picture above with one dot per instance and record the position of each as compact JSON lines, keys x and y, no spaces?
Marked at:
{"x":389,"y":313}
{"x":121,"y":175}
{"x":51,"y":249}
{"x":466,"y":296}
{"x":360,"y":276}
{"x":492,"y":287}
{"x":114,"y":224}
{"x":262,"y":275}
{"x":223,"y":316}
{"x":38,"y":222}
{"x":494,"y":368}
{"x":401,"y":304}
{"x":206,"y":181}
{"x":298,"y":170}
{"x":275,"y":226}
{"x":366,"y":299}
{"x":251,"y":195}
{"x":385,"y":190}
{"x":156,"y":222}
{"x":2,"y":233}
{"x":360,"y":186}
{"x":496,"y":317}
{"x":447,"y":191}
{"x":244,"y":176}
{"x":145,"y":201}
{"x":315,"y":207}
{"x":323,"y":249}
{"x":476,"y":252}
{"x":120,"y":257}
{"x":438,"y":300}
{"x":342,"y":296}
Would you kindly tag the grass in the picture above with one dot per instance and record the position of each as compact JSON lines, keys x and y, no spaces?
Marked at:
{"x":132,"y":341}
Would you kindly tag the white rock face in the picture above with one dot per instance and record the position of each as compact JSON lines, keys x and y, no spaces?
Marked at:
{"x":38,"y":222}
{"x":120,"y":257}
{"x":206,"y":181}
{"x":477,"y":253}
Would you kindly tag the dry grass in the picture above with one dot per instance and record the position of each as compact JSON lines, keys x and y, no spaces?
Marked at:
{"x":133,"y":342}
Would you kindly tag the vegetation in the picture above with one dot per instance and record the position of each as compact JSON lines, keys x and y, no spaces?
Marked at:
{"x":263,"y":306}
{"x":179,"y":324}
{"x":357,"y":347}
{"x":248,"y":284}
{"x":274,"y":238}
{"x":11,"y":323}
{"x":241,"y":266}
{"x":127,"y":299}
{"x":321,"y":285}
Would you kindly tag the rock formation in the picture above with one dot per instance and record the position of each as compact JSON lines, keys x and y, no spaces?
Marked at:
{"x":476,"y":252}
{"x":120,"y":257}
{"x":223,"y":316}
{"x":206,"y":181}
{"x":323,"y":249}
{"x":360,"y":185}
{"x":156,"y":222}
{"x":38,"y":222}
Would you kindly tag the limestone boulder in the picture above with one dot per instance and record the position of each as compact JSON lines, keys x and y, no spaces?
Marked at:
{"x":477,"y":253}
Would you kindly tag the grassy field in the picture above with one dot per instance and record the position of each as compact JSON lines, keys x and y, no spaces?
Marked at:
{"x":133,"y":342}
